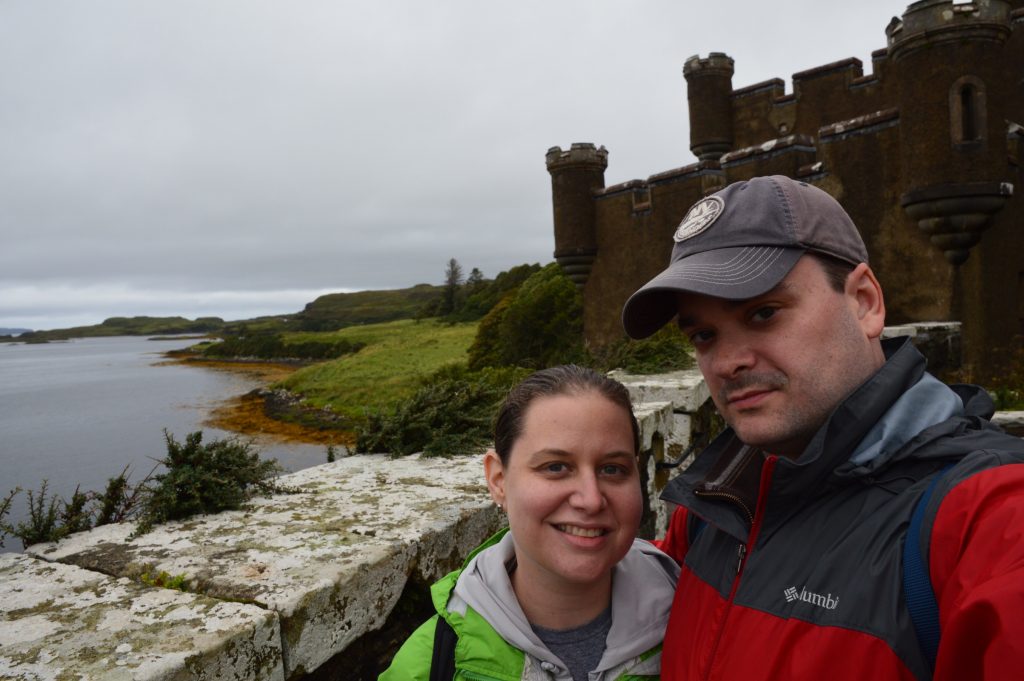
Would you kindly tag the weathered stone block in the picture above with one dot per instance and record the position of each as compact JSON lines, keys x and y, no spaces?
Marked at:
{"x":686,"y":390}
{"x":1010,"y":421}
{"x":61,"y":621}
{"x":939,"y":342}
{"x":331,"y":560}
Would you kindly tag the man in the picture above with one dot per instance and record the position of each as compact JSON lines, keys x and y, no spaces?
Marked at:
{"x":791,"y":524}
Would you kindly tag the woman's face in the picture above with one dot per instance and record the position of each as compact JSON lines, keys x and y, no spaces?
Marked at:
{"x":571,"y":489}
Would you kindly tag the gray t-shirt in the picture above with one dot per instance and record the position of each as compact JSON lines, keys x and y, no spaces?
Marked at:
{"x":579,"y":649}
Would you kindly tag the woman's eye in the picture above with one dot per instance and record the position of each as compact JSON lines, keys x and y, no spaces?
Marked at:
{"x":614,"y":470}
{"x":557,"y":467}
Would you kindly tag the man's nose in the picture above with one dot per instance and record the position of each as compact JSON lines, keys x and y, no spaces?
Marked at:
{"x":731,"y":357}
{"x":588,"y":496}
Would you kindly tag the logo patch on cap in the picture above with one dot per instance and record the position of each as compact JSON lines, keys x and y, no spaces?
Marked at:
{"x":699,"y":218}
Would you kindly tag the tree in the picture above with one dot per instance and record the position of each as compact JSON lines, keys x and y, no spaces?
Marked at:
{"x":474,"y":280}
{"x":452,"y":282}
{"x":537,"y":325}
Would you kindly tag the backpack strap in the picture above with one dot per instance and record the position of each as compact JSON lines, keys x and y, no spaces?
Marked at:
{"x":917,"y":583}
{"x":442,"y":662}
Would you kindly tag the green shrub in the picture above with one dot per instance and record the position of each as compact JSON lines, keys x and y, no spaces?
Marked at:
{"x":199,"y":478}
{"x":451,"y":413}
{"x":666,"y":350}
{"x":5,"y":507}
{"x":1008,"y":399}
{"x":43,"y":518}
{"x":209,"y":478}
{"x":118,"y":500}
{"x":486,"y":350}
{"x":273,"y":346}
{"x":1007,"y":386}
{"x":74,"y":516}
{"x":50,"y":518}
{"x":483,"y":295}
{"x":164,"y":580}
{"x":540,"y":325}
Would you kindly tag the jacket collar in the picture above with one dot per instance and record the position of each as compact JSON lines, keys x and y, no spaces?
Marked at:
{"x":643,"y":586}
{"x":825,"y":463}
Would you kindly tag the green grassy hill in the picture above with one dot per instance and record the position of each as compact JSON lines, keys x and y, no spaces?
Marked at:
{"x":395,"y":357}
{"x":338,"y":310}
{"x":127,"y":326}
{"x":327,"y":313}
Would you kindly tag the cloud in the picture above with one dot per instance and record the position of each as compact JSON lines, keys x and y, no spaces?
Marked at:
{"x":187,"y":148}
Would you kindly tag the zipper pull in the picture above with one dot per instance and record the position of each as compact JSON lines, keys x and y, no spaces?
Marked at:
{"x":741,"y":554}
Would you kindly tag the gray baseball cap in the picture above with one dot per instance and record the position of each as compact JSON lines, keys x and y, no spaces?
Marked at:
{"x":741,"y":242}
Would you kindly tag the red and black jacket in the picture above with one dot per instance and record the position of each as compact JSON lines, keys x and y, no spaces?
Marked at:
{"x":797,"y":572}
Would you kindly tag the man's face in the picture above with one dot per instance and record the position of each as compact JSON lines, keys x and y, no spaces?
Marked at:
{"x":777,"y":365}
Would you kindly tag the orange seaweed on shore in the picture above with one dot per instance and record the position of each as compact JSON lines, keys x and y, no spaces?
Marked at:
{"x":247,"y":414}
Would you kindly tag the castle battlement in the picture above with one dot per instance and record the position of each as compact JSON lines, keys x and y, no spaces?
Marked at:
{"x":579,"y":154}
{"x":919,"y":152}
{"x":934,"y":21}
{"x":715,"y":62}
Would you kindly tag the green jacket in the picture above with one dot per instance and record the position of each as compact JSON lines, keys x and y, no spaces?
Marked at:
{"x":504,"y":648}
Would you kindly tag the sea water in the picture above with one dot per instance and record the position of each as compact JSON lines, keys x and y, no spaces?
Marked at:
{"x":77,"y":412}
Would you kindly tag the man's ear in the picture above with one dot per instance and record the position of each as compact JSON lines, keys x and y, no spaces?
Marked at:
{"x":494,"y":472}
{"x":866,"y":300}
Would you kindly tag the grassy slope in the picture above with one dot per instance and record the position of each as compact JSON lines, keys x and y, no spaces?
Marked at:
{"x":396,"y":356}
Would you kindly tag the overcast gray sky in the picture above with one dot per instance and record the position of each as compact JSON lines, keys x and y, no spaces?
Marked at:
{"x":240,"y":157}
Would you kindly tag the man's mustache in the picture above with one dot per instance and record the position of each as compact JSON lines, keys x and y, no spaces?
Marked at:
{"x":768,"y":380}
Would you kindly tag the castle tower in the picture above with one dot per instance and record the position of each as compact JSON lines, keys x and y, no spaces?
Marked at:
{"x":575,"y":175}
{"x":709,"y":95}
{"x":953,"y":118}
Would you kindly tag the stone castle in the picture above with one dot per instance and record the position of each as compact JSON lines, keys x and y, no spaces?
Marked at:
{"x":924,"y":154}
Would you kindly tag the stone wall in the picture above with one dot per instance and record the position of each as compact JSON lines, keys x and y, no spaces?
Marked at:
{"x":271,"y":592}
{"x":322,"y":583}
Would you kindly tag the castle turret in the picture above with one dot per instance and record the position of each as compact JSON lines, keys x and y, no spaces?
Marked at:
{"x":575,"y":175}
{"x":709,"y":94}
{"x":948,"y":58}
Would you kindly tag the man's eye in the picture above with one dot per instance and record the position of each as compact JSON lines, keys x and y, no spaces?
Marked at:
{"x":763,"y":314}
{"x":700,"y":337}
{"x":613,"y":470}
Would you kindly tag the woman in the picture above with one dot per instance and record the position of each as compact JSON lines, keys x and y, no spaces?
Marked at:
{"x":566,"y":590}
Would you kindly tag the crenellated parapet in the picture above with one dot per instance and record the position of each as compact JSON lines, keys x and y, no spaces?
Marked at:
{"x":579,"y":155}
{"x":931,"y":22}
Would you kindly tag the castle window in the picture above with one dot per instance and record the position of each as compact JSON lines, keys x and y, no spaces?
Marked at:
{"x":967,"y":116}
{"x":969,"y":130}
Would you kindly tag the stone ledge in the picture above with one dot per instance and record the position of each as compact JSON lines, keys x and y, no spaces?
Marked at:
{"x":61,"y":621}
{"x":654,"y":418}
{"x":686,"y":389}
{"x":331,"y":560}
{"x":1010,"y":421}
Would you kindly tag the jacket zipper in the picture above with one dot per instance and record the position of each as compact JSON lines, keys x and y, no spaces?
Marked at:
{"x":743,"y":552}
{"x":731,"y":497}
